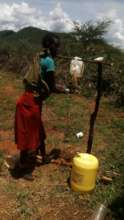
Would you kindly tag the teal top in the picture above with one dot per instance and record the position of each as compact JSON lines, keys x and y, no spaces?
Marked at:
{"x":46,"y":65}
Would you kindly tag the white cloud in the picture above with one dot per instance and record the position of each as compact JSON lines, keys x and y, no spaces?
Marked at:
{"x":115,"y":33}
{"x":22,"y":14}
{"x":16,"y":16}
{"x":60,"y":20}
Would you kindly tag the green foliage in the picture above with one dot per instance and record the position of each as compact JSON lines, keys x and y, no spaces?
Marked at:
{"x":6,"y":34}
{"x":18,"y":48}
{"x":90,"y":32}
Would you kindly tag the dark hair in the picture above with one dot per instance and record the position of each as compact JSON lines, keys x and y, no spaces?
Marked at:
{"x":49,"y":39}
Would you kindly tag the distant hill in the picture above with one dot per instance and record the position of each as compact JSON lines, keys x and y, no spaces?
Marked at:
{"x":16,"y":49}
{"x":6,"y":34}
{"x":29,"y":34}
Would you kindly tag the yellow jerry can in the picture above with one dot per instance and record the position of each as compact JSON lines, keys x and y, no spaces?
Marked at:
{"x":84,"y":171}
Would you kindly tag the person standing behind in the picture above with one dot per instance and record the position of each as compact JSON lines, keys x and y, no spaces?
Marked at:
{"x":50,"y":43}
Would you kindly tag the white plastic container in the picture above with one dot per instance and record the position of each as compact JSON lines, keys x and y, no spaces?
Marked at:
{"x":76,"y":67}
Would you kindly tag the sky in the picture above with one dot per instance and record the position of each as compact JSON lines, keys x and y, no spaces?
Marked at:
{"x":59,"y":15}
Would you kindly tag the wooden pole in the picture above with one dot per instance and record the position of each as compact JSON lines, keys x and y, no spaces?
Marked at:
{"x":86,"y":61}
{"x":94,"y":114}
{"x":98,"y":97}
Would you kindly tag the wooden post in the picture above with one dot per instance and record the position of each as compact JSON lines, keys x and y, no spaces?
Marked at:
{"x":94,"y":114}
{"x":98,"y":97}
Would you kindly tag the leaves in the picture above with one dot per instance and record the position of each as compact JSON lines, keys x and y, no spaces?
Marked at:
{"x":90,"y":32}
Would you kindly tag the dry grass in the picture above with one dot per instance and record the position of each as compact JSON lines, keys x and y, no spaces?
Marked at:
{"x":49,"y":196}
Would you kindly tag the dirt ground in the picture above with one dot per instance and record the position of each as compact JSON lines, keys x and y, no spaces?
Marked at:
{"x":49,"y":196}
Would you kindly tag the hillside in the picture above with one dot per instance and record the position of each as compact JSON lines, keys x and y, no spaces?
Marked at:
{"x":29,"y":35}
{"x":16,"y":48}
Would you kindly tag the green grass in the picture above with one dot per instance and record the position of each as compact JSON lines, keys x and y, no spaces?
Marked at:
{"x":23,"y":199}
{"x":108,"y":131}
{"x":65,"y":115}
{"x":11,"y":188}
{"x":111,"y":193}
{"x":23,"y":196}
{"x":118,"y":124}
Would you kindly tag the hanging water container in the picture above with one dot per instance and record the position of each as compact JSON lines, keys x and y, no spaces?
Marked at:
{"x":84,"y":171}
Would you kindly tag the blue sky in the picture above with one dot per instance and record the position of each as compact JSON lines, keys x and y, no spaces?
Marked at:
{"x":58,"y":15}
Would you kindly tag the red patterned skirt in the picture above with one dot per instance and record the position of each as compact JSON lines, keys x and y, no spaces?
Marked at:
{"x":29,"y":129}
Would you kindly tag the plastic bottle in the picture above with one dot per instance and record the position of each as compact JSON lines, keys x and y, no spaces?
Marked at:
{"x":100,"y":212}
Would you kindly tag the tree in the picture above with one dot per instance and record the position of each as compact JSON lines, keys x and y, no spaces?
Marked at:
{"x":90,"y":32}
